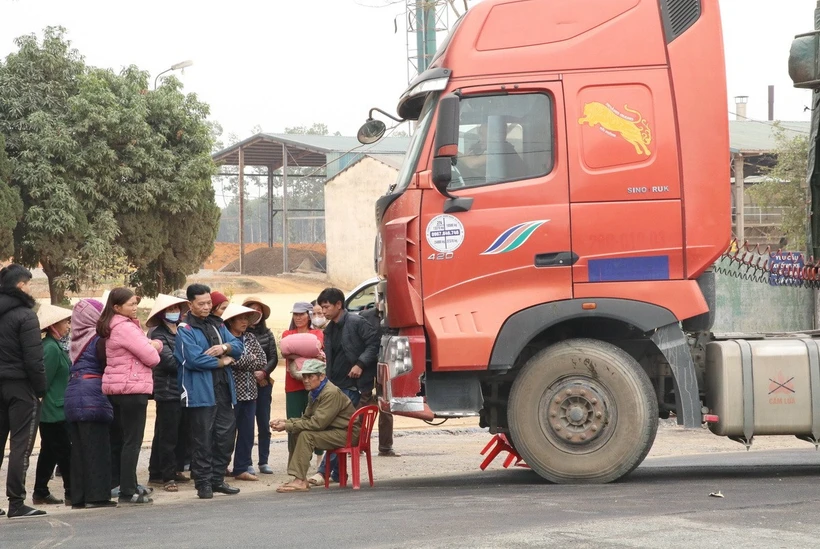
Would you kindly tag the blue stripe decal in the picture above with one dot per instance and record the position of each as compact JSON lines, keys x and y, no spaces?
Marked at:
{"x":629,"y":268}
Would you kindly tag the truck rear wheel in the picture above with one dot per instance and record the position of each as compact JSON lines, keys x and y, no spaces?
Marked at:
{"x":582,"y":411}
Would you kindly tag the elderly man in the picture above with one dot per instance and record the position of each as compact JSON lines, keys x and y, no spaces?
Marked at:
{"x":323,"y":426}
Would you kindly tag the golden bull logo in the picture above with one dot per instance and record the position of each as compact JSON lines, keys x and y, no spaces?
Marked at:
{"x":634,"y":129}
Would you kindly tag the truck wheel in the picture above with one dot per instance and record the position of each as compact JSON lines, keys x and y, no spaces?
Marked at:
{"x":582,"y":411}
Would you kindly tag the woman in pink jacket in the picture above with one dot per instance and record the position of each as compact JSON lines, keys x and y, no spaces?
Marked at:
{"x":128,"y":381}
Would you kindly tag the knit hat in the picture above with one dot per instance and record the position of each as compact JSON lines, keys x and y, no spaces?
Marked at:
{"x":217,"y":299}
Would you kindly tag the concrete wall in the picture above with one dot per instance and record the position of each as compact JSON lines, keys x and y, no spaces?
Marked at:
{"x":747,"y":306}
{"x":350,"y":224}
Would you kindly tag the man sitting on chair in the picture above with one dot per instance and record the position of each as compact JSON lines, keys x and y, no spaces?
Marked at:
{"x":323,"y":426}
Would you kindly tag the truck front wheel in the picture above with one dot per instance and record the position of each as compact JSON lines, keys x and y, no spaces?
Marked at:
{"x":582,"y":411}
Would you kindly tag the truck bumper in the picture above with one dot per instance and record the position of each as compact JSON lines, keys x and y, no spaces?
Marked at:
{"x":400,"y":369}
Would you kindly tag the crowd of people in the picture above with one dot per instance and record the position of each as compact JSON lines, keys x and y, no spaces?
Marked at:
{"x":83,"y":377}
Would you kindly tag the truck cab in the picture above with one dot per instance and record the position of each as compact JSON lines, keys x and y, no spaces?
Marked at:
{"x":548,"y":239}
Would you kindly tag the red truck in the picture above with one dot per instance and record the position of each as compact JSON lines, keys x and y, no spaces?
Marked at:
{"x":545,"y":251}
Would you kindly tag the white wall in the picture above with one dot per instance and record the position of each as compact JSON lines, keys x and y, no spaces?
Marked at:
{"x":350,"y":222}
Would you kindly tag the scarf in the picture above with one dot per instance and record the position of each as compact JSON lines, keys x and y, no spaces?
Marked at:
{"x":209,"y":326}
{"x":83,"y":326}
{"x":314,"y":394}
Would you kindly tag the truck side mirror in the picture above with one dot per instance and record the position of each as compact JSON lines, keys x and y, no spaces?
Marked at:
{"x":446,"y":142}
{"x":804,"y":62}
{"x":445,"y":152}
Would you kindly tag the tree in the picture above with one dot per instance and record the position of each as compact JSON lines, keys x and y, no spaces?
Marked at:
{"x":61,"y":228}
{"x":316,"y":129}
{"x":105,"y":168}
{"x":11,"y":207}
{"x":785,"y":186}
{"x":170,"y":236}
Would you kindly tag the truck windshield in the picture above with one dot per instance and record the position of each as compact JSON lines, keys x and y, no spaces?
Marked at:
{"x":408,"y":168}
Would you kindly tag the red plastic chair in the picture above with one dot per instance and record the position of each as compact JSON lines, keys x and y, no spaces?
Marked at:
{"x":368,"y":419}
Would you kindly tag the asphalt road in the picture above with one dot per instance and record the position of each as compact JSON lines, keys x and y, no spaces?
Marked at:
{"x":771,"y":500}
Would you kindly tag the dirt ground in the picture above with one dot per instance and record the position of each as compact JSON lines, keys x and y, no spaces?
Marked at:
{"x":267,"y":262}
{"x":425,"y":450}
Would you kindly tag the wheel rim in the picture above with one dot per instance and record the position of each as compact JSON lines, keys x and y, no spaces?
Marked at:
{"x":577,"y":414}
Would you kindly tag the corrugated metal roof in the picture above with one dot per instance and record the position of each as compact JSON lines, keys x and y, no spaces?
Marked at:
{"x":334,"y":143}
{"x":390,"y":160}
{"x":757,"y":136}
{"x":265,"y":149}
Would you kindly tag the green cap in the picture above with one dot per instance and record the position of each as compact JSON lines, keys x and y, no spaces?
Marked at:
{"x":312,"y":366}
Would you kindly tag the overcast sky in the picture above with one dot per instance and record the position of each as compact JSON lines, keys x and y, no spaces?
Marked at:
{"x":282,"y":63}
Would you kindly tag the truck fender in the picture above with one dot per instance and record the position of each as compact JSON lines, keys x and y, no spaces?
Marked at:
{"x":523,"y":326}
{"x":671,"y":341}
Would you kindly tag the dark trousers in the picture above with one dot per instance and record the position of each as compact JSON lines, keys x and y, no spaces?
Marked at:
{"x":163,"y":462}
{"x":213,"y":431}
{"x":129,"y":411}
{"x":263,"y":403}
{"x":115,"y":443}
{"x":245,"y":413}
{"x":183,"y":449}
{"x":19,"y":415}
{"x":55,"y":449}
{"x":90,"y":462}
{"x":385,"y":423}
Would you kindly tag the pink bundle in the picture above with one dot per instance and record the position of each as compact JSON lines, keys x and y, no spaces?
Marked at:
{"x":300,"y":347}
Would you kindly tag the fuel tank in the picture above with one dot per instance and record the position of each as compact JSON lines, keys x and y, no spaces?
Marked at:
{"x":764,"y":387}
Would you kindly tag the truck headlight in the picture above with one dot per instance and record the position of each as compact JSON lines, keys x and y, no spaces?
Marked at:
{"x":397,"y":356}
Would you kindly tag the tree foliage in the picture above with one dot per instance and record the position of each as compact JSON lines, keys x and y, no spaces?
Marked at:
{"x":317,"y":128}
{"x":104,"y":168}
{"x":11,"y":207}
{"x":785,"y":186}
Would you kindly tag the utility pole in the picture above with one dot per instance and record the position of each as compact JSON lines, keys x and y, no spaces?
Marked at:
{"x":241,"y":211}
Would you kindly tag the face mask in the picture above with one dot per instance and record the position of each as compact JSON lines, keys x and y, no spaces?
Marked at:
{"x":318,"y":322}
{"x":65,"y":342}
{"x":173,"y":318}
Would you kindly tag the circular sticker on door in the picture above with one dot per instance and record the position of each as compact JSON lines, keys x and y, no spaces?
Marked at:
{"x":445,"y":233}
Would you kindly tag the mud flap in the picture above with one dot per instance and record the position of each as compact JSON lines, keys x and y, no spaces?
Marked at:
{"x":671,"y":341}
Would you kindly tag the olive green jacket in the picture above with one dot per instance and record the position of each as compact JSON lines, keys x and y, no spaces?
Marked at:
{"x":331,"y":410}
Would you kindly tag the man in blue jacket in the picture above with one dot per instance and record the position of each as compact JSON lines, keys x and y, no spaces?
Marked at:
{"x":205,"y":350}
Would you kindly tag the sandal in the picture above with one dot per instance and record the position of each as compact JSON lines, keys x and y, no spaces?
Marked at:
{"x":317,"y":480}
{"x":171,"y":486}
{"x":179,"y":477}
{"x":288,"y":488}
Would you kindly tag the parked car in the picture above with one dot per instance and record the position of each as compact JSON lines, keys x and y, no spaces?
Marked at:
{"x":362,"y":297}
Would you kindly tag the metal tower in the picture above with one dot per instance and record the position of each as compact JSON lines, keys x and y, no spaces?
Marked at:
{"x":425,"y":19}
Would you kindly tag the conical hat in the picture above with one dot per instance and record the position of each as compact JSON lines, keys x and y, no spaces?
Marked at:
{"x":49,"y":315}
{"x":161,"y":303}
{"x":265,"y":308}
{"x":235,"y":310}
{"x":104,"y":298}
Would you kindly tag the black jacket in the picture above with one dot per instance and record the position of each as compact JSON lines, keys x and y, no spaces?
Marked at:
{"x":21,"y":347}
{"x":166,"y":386}
{"x":360,"y":347}
{"x":265,"y":338}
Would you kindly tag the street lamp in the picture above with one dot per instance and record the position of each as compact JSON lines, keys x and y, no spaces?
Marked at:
{"x":176,"y":67}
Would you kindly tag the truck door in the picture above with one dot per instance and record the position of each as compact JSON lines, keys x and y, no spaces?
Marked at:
{"x":511,"y":249}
